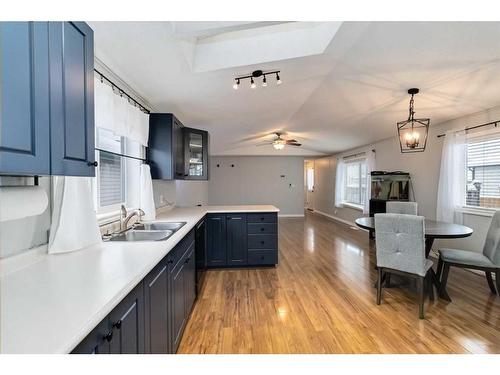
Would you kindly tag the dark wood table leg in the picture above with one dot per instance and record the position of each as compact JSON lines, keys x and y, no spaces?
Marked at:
{"x":429,"y":241}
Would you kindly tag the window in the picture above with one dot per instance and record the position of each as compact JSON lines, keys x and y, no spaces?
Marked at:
{"x":118,"y":176}
{"x":355,"y":182}
{"x":310,"y":179}
{"x":483,"y":171}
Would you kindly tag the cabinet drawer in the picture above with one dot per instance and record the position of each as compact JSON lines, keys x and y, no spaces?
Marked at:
{"x":262,"y":241}
{"x":262,"y":257}
{"x":180,"y":249}
{"x":263,"y":217}
{"x":264,"y":228}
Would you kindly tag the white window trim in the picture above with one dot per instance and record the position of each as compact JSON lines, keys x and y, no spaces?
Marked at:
{"x":346,"y":204}
{"x":477,"y":210}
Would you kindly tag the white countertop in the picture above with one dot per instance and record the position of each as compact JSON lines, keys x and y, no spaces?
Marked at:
{"x":50,"y":305}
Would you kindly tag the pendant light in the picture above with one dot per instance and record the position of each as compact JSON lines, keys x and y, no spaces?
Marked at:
{"x":413,"y":132}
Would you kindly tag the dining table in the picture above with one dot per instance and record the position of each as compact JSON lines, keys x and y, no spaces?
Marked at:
{"x":433,"y":230}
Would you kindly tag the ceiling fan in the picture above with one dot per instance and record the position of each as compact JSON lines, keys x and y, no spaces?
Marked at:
{"x":279,"y":143}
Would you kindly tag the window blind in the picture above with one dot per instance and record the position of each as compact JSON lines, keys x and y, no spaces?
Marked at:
{"x":483,"y":171}
{"x":110,"y":179}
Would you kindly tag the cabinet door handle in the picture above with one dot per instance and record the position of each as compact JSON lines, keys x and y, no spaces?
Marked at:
{"x":92,"y":163}
{"x":187,"y":260}
{"x":170,"y":261}
{"x":117,"y":324}
{"x":262,"y":242}
{"x":262,"y":229}
{"x":108,"y":336}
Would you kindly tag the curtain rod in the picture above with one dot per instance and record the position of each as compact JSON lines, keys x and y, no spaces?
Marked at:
{"x":355,"y":155}
{"x":475,"y":127}
{"x":122,"y":155}
{"x":122,"y":92}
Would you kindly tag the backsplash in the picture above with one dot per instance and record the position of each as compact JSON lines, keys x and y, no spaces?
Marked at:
{"x":17,"y":236}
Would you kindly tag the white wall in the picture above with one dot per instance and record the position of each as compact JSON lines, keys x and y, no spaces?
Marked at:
{"x":180,"y":193}
{"x":276,"y":180}
{"x":424,"y":168}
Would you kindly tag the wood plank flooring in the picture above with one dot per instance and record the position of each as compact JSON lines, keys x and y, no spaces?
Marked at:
{"x":320,"y":299}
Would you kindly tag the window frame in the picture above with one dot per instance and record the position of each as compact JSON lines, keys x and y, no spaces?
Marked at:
{"x":355,"y":205}
{"x":109,"y":213}
{"x":477,"y":210}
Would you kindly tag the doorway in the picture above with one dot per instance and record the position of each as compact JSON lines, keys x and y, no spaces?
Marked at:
{"x":309,"y":184}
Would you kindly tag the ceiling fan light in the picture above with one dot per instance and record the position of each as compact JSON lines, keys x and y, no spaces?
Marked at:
{"x":279,"y":144}
{"x":278,"y":79}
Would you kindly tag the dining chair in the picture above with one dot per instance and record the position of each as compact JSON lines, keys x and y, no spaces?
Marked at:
{"x":487,"y":261}
{"x":400,"y":248}
{"x":398,"y":207}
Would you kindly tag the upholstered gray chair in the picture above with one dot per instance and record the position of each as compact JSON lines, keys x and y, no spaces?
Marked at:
{"x":400,"y":247}
{"x":398,"y":207}
{"x":487,"y":261}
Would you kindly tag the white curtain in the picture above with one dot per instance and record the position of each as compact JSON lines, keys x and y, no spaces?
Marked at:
{"x":370,"y":166}
{"x":146,"y":191}
{"x":339,"y":182}
{"x":114,"y":112}
{"x":74,"y":223}
{"x":451,"y":189}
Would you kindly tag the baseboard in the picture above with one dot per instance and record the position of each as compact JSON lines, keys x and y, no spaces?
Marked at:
{"x":336,"y":218}
{"x":290,"y":215}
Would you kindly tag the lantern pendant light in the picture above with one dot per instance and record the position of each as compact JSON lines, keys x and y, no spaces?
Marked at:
{"x":413,"y":132}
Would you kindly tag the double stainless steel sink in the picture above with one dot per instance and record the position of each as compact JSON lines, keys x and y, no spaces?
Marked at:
{"x":154,"y":231}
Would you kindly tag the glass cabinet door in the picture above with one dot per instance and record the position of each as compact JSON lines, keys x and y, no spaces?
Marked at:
{"x":196,"y":154}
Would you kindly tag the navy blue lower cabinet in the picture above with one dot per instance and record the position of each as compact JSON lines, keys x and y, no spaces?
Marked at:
{"x":236,"y":238}
{"x":216,"y":240}
{"x":178,"y":306}
{"x":72,"y":99}
{"x":127,"y":323}
{"x":97,"y":341}
{"x":190,"y":279}
{"x":24,"y":98}
{"x":157,"y":330}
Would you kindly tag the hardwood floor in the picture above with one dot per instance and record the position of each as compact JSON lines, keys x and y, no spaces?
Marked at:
{"x":320,"y":299}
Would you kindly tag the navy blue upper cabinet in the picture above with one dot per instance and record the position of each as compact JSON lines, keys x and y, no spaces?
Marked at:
{"x":72,"y":99}
{"x":47,"y":99}
{"x":24,"y":98}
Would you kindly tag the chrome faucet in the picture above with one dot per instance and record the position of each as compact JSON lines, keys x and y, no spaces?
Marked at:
{"x":126,"y":217}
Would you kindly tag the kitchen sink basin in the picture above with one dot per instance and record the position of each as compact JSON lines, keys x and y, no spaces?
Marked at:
{"x":143,"y":235}
{"x":160,"y":225}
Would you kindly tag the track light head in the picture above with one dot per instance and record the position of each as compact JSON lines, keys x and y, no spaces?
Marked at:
{"x":236,"y":85}
{"x":252,"y":84}
{"x":264,"y":81}
{"x":278,"y":79}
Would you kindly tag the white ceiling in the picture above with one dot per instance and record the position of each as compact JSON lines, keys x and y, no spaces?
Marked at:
{"x":344,"y":85}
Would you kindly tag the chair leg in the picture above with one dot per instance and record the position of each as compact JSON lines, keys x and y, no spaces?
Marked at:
{"x":439,"y":267}
{"x":421,"y":297}
{"x":490,"y":282}
{"x":379,"y":285}
{"x":388,"y":280}
{"x":497,"y":277}
{"x":430,"y":286}
{"x":444,"y":280}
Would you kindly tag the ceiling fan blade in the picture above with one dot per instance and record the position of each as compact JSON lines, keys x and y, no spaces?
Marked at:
{"x":294,"y":144}
{"x":264,"y":144}
{"x":290,"y":141}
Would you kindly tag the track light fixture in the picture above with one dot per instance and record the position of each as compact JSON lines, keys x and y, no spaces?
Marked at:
{"x":257,"y":74}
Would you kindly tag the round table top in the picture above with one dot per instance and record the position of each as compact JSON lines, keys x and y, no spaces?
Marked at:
{"x":433,"y":228}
